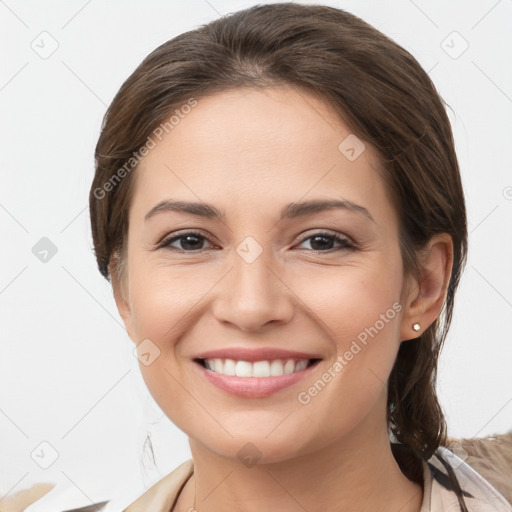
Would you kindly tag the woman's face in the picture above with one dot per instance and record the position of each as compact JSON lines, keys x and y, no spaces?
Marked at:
{"x":268,"y":274}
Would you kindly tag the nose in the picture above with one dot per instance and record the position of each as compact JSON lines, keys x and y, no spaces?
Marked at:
{"x":253,"y":295}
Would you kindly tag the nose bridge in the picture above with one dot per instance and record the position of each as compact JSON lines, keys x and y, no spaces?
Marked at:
{"x":251,"y":270}
{"x":253,"y":295}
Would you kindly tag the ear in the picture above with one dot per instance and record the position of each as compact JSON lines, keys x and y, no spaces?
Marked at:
{"x":425,"y":299}
{"x":121,"y":295}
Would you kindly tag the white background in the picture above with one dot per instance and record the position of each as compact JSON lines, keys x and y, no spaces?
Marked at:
{"x":67,"y":373}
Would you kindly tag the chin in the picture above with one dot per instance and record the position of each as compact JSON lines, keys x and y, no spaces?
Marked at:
{"x":252,"y":449}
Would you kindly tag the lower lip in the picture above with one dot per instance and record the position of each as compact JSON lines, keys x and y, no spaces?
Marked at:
{"x":254,"y":387}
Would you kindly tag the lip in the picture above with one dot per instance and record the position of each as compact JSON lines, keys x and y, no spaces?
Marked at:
{"x":254,"y":387}
{"x":255,"y":354}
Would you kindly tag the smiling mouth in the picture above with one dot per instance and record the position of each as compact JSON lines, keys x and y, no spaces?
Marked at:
{"x":264,"y":368}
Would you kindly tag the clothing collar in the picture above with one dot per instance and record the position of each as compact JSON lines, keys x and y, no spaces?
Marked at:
{"x":439,"y":494}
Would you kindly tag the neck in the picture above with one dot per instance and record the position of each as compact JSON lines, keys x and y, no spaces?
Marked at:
{"x":359,"y":474}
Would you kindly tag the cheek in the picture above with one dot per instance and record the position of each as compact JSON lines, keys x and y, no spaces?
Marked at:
{"x":162,"y":309}
{"x":360,"y":314}
{"x":358,"y":301}
{"x":166,"y":305}
{"x":165,"y":299}
{"x":363,"y":329}
{"x":352,"y":388}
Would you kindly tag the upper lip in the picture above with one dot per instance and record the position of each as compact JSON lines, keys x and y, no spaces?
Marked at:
{"x":252,"y":354}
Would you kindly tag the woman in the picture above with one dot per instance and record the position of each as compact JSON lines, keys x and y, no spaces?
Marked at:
{"x":278,"y":205}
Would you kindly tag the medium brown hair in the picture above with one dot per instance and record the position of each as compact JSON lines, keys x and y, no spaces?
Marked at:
{"x":382,"y":94}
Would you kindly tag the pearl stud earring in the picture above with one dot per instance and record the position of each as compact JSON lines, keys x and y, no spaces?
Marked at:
{"x":416,"y":327}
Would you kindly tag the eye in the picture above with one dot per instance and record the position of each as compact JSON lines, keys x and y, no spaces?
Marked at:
{"x":187,"y":242}
{"x":323,"y":242}
{"x":192,"y":241}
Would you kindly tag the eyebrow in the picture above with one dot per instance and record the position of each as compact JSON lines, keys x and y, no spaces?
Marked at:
{"x":292,"y":211}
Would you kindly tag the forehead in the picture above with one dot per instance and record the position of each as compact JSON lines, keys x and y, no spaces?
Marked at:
{"x":258,"y":147}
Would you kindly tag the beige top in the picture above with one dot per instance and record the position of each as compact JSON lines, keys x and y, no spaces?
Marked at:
{"x":480,"y":495}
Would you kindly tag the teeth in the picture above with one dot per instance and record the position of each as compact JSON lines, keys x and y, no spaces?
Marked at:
{"x":242,"y":369}
{"x":301,"y":365}
{"x":273,"y":368}
{"x":229,"y":367}
{"x":259,"y":369}
{"x":289,"y":366}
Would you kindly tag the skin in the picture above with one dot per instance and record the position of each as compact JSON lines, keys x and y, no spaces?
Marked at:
{"x":250,"y":153}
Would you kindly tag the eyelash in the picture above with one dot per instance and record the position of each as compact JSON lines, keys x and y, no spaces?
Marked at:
{"x":346,"y":244}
